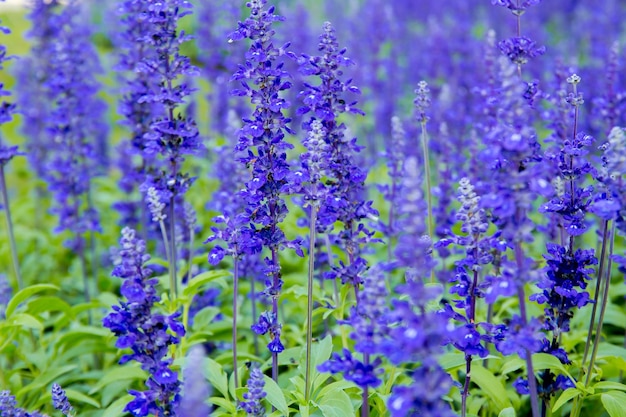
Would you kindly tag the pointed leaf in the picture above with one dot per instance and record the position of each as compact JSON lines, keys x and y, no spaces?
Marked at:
{"x":26,"y":293}
{"x":565,"y":397}
{"x":275,"y":395}
{"x":614,"y":403}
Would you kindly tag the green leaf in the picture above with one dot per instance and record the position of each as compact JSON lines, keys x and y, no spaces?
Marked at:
{"x":614,"y":403}
{"x":336,"y":404}
{"x":565,"y":397}
{"x":202,"y":279}
{"x":217,"y":377}
{"x":25,"y":320}
{"x":224,"y":403}
{"x":275,"y":395}
{"x":607,"y":385}
{"x":547,"y":361}
{"x":26,"y":293}
{"x":491,"y":386}
{"x":78,"y":397}
{"x":47,"y":303}
{"x":451,"y":360}
{"x":117,"y":374}
{"x":117,"y":407}
{"x":41,"y":382}
{"x":507,"y":412}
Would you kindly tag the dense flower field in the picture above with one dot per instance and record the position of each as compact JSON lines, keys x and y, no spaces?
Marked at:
{"x":313,"y":208}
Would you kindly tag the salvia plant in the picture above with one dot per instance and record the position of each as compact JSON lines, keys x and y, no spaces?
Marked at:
{"x":407,"y":208}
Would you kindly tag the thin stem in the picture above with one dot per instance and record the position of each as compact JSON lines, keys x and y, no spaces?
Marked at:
{"x":192,"y":237}
{"x":429,"y":198}
{"x":605,"y":231}
{"x":330,"y":260}
{"x":255,"y":336}
{"x":309,"y":317}
{"x":365,"y":408}
{"x":532,"y":383}
{"x":465,"y":392}
{"x":472,"y":320}
{"x":7,"y":211}
{"x":92,"y":244}
{"x":235,"y":311}
{"x":276,"y":279}
{"x":172,"y":257}
{"x":80,"y":244}
{"x":169,"y":260}
{"x":605,"y":300}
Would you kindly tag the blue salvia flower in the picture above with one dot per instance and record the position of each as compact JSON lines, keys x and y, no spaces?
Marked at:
{"x":262,"y":139}
{"x":478,"y":252}
{"x":610,"y":203}
{"x":369,"y":321}
{"x":345,"y":189}
{"x":417,"y":336}
{"x":516,"y":7}
{"x":171,"y":136}
{"x":137,"y":112}
{"x":196,"y":389}
{"x":6,"y":109}
{"x":73,"y":123}
{"x":6,"y":293}
{"x":220,"y":59}
{"x":8,"y":407}
{"x":60,"y":401}
{"x":145,"y":332}
{"x":252,"y":404}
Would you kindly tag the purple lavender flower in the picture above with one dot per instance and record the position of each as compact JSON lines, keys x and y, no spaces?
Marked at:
{"x":611,"y":200}
{"x":60,"y":401}
{"x":424,"y":397}
{"x":521,"y":49}
{"x":252,"y":404}
{"x":196,"y":389}
{"x":143,"y":331}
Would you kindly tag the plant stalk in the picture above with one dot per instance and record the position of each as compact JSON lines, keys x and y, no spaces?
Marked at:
{"x":172,"y":260}
{"x":309,"y":320}
{"x":235,"y":311}
{"x":7,"y":212}
{"x":429,"y":196}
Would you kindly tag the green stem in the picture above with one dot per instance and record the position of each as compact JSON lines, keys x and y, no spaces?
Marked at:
{"x":605,"y":300}
{"x":605,"y":231}
{"x":169,"y":260}
{"x":429,"y":196}
{"x":172,"y":260}
{"x":309,"y":319}
{"x":235,"y":311}
{"x":7,"y":211}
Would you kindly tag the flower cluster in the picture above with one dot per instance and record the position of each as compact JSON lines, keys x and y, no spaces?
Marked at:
{"x":416,"y":336}
{"x":196,"y":389}
{"x":171,"y":135}
{"x":70,"y":128}
{"x":137,"y":112}
{"x":60,"y":401}
{"x":144,"y":331}
{"x":6,"y":109}
{"x":516,"y":7}
{"x":8,"y":407}
{"x":369,"y":322}
{"x":262,"y":140}
{"x":344,"y":178}
{"x":252,"y":404}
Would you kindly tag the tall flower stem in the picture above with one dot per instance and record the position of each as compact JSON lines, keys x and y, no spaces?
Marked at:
{"x":7,"y":213}
{"x":605,"y":300}
{"x":429,"y":197}
{"x":472,"y":319}
{"x":172,"y":254}
{"x":253,"y":296}
{"x":309,"y":316}
{"x":169,"y":259}
{"x":365,"y":408}
{"x":532,"y":383}
{"x":594,"y":308}
{"x":276,"y":283}
{"x":235,"y":311}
